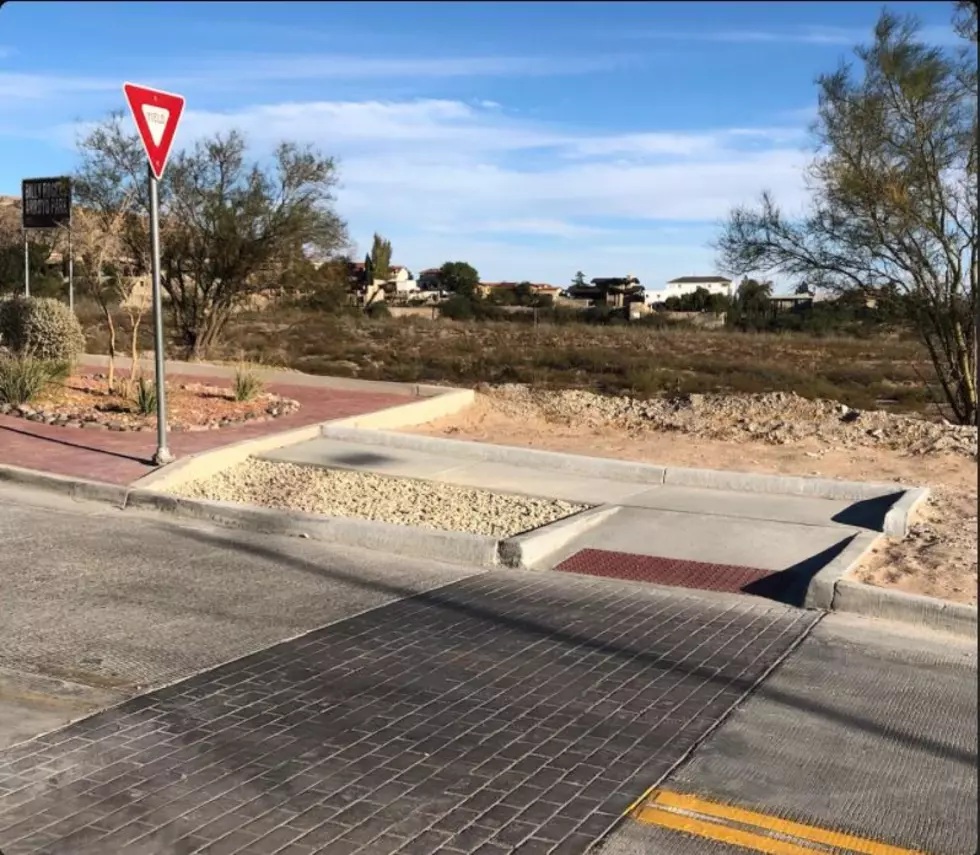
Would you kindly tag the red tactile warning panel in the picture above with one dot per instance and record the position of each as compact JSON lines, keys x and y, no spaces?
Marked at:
{"x":664,"y":571}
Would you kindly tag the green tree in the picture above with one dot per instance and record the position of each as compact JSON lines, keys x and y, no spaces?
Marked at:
{"x":750,"y":310}
{"x":461,"y":278}
{"x":229,"y":229}
{"x":381,"y":258}
{"x":524,"y":294}
{"x":578,"y":280}
{"x":46,"y":281}
{"x":235,"y":226}
{"x":894,"y":195}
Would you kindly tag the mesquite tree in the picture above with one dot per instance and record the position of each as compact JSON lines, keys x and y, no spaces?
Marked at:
{"x":893,"y":196}
{"x":234,"y":227}
{"x":229,"y":229}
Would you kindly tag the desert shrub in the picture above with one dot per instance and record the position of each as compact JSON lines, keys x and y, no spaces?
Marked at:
{"x":41,"y":327}
{"x":247,"y":384}
{"x":146,"y":397}
{"x":378,"y":311}
{"x":23,"y":377}
{"x":457,"y":308}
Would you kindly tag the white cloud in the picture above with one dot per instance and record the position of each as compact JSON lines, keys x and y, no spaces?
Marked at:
{"x":36,"y":87}
{"x":239,"y":68}
{"x":449,"y":180}
{"x":521,"y":199}
{"x":813,"y":35}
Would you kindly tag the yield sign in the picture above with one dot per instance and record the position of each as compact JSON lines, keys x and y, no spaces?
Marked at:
{"x":157,"y":115}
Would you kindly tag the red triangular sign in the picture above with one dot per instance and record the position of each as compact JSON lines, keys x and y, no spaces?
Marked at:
{"x":157,"y":115}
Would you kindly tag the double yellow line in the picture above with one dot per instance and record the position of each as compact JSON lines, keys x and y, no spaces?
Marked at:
{"x":754,"y":831}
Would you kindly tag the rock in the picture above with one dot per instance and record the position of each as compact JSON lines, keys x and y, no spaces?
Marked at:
{"x":117,"y":427}
{"x":94,"y":425}
{"x":72,"y":423}
{"x":5,"y":408}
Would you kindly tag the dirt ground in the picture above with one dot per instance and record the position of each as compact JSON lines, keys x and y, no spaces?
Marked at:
{"x":87,"y":398}
{"x":776,"y":433}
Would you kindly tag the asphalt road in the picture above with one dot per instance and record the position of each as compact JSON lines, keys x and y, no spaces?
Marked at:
{"x":343,"y":701}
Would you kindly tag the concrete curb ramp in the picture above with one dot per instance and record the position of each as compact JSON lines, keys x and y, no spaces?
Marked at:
{"x":896,"y":519}
{"x":449,"y":546}
{"x":828,"y":590}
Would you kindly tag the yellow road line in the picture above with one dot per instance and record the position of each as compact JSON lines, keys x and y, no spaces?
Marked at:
{"x":760,"y":832}
{"x":721,"y":833}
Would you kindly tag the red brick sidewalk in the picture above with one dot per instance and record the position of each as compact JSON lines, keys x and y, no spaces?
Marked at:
{"x":121,"y":458}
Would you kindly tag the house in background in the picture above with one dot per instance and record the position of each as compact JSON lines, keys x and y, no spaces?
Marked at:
{"x":689,"y":284}
{"x":428,"y":279}
{"x":539,"y":289}
{"x":615,"y":291}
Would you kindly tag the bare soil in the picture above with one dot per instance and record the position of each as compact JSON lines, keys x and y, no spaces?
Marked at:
{"x":776,"y":433}
{"x":88,"y":398}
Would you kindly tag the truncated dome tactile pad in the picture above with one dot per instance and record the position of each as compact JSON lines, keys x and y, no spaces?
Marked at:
{"x":666,"y":571}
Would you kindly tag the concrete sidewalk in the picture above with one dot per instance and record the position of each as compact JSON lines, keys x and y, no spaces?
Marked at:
{"x":503,"y":477}
{"x":769,"y":532}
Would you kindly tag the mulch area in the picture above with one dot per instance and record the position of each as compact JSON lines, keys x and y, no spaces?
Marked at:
{"x":123,"y":457}
{"x":86,"y":397}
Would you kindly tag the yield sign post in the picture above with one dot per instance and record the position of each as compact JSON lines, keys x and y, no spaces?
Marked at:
{"x":157,"y":115}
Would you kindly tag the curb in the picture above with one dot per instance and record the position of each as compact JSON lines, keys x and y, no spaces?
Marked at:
{"x":830,"y":590}
{"x":899,"y":515}
{"x":788,"y":485}
{"x":528,"y":549}
{"x":79,"y":489}
{"x":820,"y":592}
{"x":926,"y":612}
{"x":439,"y":402}
{"x":449,"y":546}
{"x":207,"y":463}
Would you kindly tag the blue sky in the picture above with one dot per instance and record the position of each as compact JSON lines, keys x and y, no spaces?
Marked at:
{"x":530,"y":139}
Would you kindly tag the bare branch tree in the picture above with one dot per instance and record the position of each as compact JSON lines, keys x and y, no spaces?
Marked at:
{"x":893,"y":199}
{"x":233,"y":229}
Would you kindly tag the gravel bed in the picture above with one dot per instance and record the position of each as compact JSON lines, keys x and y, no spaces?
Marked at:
{"x":364,"y":495}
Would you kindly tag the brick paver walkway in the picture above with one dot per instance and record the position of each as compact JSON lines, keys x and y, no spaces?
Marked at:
{"x":121,"y":458}
{"x":505,"y":713}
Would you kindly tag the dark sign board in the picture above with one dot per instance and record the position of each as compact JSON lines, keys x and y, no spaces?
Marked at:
{"x":46,"y":202}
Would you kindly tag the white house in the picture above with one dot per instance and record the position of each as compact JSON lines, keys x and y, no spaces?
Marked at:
{"x":689,"y":284}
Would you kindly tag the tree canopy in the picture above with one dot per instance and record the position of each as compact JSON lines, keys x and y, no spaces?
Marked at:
{"x":229,"y":228}
{"x":459,"y":277}
{"x":893,"y":195}
{"x":381,"y":258}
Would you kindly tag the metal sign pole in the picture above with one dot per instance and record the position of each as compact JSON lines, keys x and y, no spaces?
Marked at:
{"x":71,"y":274}
{"x":27,"y":267}
{"x":163,"y":455}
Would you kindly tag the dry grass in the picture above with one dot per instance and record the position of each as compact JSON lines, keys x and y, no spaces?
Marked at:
{"x":887,"y":373}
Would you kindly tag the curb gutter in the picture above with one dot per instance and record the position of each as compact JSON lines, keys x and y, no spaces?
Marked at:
{"x":449,"y":546}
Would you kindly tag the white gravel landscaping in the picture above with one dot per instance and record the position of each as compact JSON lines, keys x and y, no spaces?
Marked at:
{"x":364,"y":495}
